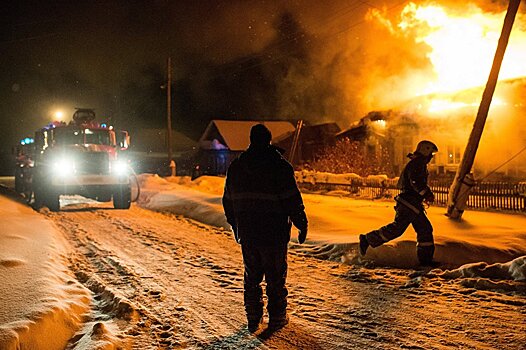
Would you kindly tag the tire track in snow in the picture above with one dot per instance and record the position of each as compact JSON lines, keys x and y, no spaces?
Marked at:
{"x":196,"y":263}
{"x":111,"y":281}
{"x":105,"y":263}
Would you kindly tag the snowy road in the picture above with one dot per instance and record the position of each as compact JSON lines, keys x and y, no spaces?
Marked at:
{"x":164,"y":282}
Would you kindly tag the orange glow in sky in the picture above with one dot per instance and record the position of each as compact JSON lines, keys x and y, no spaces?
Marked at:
{"x":462,"y":45}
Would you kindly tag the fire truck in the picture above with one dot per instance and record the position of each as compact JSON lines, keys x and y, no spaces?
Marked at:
{"x":24,"y":155}
{"x":80,"y":158}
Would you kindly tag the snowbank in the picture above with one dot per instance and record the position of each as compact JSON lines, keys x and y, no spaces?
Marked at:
{"x":513,"y":270}
{"x":33,"y":268}
{"x":335,"y":223}
{"x":178,"y":195}
{"x":484,"y":276}
{"x":314,"y":177}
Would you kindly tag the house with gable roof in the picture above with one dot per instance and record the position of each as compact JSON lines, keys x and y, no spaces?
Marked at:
{"x":223,"y":140}
{"x":149,"y":151}
{"x":311,"y":139}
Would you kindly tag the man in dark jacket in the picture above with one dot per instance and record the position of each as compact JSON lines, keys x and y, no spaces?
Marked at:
{"x":261,"y":199}
{"x":410,"y":207}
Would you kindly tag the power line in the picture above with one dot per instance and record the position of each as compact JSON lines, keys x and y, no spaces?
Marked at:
{"x":467,"y":189}
{"x":503,"y":164}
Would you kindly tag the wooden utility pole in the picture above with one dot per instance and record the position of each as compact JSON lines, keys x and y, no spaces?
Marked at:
{"x":295,"y":141}
{"x":171,"y":162}
{"x":463,"y":182}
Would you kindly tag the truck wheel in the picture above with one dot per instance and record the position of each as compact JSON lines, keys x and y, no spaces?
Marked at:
{"x":19,"y":181}
{"x":122,"y":197}
{"x":38,"y":195}
{"x":52,"y":201}
{"x":27,"y":187}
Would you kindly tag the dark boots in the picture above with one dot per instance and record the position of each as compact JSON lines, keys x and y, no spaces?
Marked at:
{"x":364,"y":244}
{"x":271,"y":263}
{"x":254,"y":307}
{"x":425,"y":254}
{"x":254,"y":324}
{"x":277,"y":323}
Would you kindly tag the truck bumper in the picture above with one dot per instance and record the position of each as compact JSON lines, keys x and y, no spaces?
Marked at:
{"x":90,"y":180}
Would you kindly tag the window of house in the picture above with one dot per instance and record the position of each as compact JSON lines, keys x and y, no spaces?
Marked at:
{"x":453,"y":154}
{"x":407,"y":146}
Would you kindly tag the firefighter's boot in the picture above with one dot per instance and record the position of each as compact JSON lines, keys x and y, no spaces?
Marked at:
{"x":364,"y":244}
{"x":425,"y":254}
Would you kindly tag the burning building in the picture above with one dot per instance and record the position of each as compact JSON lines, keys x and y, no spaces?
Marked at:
{"x":431,"y":84}
{"x":447,"y":119}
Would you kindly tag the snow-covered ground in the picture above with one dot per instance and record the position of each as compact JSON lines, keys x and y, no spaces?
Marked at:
{"x":169,"y":276}
{"x":336,"y":220}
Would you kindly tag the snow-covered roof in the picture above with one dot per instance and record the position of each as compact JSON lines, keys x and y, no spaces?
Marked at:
{"x":235,"y":134}
{"x":156,"y":140}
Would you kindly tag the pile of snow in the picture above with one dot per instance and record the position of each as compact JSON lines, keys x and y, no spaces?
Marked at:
{"x":314,"y":177}
{"x":335,"y":223}
{"x":33,"y":268}
{"x":178,"y":195}
{"x":512,"y":270}
{"x":379,"y":178}
{"x":484,"y":276}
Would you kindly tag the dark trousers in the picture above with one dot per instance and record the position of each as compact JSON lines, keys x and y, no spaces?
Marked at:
{"x":271,"y":263}
{"x":403,"y":218}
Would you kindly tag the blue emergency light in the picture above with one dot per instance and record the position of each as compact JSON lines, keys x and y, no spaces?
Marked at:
{"x":27,"y":141}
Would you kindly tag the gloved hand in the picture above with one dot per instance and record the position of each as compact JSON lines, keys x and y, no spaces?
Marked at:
{"x":299,"y":220}
{"x":302,"y":235}
{"x":430,"y":197}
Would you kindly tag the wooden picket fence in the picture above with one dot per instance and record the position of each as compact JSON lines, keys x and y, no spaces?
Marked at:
{"x":484,"y":195}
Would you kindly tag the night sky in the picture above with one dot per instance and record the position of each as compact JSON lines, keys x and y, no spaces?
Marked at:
{"x":233,"y":59}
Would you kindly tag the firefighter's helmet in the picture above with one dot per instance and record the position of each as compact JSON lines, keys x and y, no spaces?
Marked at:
{"x":426,"y":148}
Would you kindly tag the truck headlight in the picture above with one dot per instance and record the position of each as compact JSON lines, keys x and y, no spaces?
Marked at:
{"x":64,"y":167}
{"x":120,"y":167}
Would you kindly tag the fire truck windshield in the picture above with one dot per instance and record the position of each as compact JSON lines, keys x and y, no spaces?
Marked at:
{"x":98,"y":137}
{"x":68,"y":136}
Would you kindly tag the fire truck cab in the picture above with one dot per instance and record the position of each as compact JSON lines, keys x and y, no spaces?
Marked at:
{"x":23,"y":157}
{"x":81,"y":158}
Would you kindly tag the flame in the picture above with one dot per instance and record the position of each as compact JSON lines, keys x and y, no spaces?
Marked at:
{"x":463,"y":45}
{"x":437,"y":62}
{"x":443,"y":105}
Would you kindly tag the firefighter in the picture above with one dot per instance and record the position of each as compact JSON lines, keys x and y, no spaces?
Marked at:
{"x":410,"y":207}
{"x":261,"y":201}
